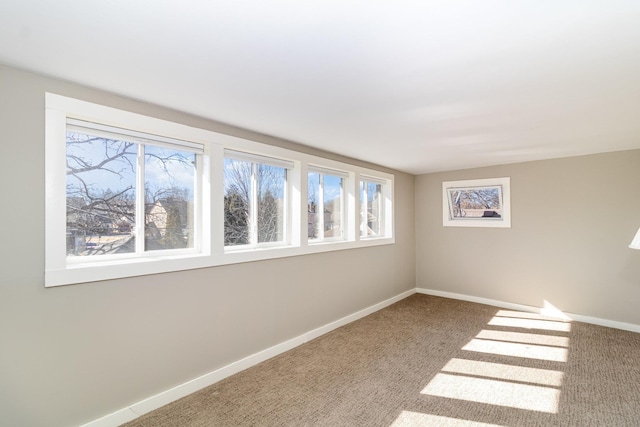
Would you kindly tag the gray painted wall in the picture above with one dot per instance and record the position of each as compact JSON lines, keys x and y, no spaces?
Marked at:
{"x":72,"y":354}
{"x":572,"y":222}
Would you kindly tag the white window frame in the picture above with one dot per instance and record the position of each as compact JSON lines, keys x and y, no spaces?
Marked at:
{"x":210,"y":250}
{"x":60,"y":269}
{"x":146,"y":140}
{"x":503,"y":184}
{"x":384,"y":207}
{"x":323,"y":171}
{"x":255,"y":160}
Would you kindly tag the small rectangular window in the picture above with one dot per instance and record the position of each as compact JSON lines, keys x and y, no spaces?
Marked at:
{"x":255,"y":202}
{"x":325,"y":204}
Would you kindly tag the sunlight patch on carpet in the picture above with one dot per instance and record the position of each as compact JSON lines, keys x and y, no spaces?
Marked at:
{"x":494,"y":392}
{"x":530,"y":351}
{"x":417,"y":419}
{"x":502,"y":371}
{"x":515,"y":322}
{"x":523,"y":337}
{"x":507,"y":384}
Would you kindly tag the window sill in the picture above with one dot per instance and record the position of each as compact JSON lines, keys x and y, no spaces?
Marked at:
{"x":84,"y":272}
{"x":81,"y":272}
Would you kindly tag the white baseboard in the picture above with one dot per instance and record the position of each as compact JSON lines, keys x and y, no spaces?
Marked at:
{"x":528,"y":308}
{"x":147,"y":405}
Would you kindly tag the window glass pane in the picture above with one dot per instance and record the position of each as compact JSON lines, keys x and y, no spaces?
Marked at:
{"x":169,"y":197}
{"x":332,"y":206}
{"x":313,"y":204}
{"x":237,"y":196}
{"x":363,"y":209}
{"x":324,"y":205}
{"x":370,"y":208}
{"x":101,"y":178}
{"x":270,"y":212}
{"x":374,"y":208}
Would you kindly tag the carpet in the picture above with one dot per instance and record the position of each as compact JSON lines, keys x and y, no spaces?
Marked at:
{"x":431,"y":361}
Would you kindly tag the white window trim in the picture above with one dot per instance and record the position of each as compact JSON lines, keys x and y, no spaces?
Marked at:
{"x":146,"y":140}
{"x":386,"y":208}
{"x":58,"y":271}
{"x":327,"y":171}
{"x":113,"y":132}
{"x":505,"y":201}
{"x":255,"y":160}
{"x":323,"y":171}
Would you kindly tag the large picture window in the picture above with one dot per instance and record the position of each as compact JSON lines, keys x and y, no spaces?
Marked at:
{"x":118,"y":187}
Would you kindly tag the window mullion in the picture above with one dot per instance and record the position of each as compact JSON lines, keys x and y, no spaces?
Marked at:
{"x":140,"y":201}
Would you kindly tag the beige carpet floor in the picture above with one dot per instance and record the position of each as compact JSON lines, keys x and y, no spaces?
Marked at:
{"x":430,"y":361}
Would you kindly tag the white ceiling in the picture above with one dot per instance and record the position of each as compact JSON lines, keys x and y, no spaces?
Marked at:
{"x":419,"y":86}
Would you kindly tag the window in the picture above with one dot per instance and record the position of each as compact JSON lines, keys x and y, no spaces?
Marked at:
{"x":130,"y":195}
{"x":325,"y":204}
{"x":255,"y":202}
{"x":371,"y":208}
{"x":477,"y":203}
{"x":119,"y":187}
